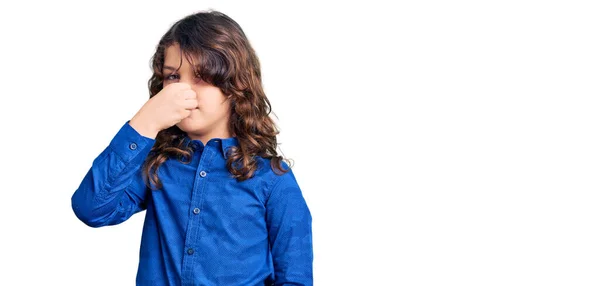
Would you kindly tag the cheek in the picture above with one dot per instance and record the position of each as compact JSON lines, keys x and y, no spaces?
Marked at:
{"x":211,"y":98}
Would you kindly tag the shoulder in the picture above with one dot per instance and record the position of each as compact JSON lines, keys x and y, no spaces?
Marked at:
{"x":273,"y":179}
{"x":277,"y":183}
{"x":272,"y":176}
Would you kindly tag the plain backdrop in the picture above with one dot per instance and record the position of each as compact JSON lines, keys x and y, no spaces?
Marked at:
{"x":436,"y":142}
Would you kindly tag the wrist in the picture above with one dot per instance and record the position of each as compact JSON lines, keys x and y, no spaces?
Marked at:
{"x":143,"y":127}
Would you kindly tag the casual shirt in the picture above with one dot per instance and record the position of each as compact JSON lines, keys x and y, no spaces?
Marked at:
{"x":203,"y":227}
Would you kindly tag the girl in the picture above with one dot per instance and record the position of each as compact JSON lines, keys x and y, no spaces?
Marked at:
{"x":222,"y":208}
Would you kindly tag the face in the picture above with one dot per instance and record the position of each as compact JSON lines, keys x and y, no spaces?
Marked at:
{"x":210,"y":119}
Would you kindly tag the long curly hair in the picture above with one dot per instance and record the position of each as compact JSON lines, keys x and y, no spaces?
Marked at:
{"x":228,"y":61}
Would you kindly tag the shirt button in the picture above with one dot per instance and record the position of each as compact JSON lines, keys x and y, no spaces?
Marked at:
{"x":202,"y":174}
{"x":132,"y":146}
{"x":190,"y":251}
{"x":196,"y":211}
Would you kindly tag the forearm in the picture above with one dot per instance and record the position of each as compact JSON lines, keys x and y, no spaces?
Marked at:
{"x":112,"y":190}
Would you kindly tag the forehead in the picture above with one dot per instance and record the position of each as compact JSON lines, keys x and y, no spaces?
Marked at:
{"x":174,"y":58}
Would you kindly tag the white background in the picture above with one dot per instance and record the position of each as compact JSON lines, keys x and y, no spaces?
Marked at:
{"x":436,"y":142}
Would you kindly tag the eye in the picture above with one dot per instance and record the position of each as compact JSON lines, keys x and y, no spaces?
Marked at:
{"x":172,"y":77}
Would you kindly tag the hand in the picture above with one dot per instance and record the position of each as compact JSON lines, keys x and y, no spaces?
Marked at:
{"x":172,"y":104}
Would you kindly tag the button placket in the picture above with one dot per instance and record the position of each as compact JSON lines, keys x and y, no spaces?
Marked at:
{"x":195,"y":226}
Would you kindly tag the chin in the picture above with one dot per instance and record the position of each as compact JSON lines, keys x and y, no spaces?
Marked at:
{"x":190,"y":125}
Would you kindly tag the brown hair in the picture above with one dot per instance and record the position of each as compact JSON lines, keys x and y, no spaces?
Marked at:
{"x":228,"y":61}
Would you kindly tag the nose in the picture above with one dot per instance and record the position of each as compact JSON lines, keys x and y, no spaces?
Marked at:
{"x":187,"y":80}
{"x":190,"y":79}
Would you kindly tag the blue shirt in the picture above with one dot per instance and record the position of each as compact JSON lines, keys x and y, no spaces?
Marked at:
{"x":203,"y":227}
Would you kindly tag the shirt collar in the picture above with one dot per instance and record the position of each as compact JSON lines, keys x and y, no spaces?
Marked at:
{"x":222,"y":144}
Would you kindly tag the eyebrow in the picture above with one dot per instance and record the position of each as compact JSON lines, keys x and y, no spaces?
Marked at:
{"x":169,"y":68}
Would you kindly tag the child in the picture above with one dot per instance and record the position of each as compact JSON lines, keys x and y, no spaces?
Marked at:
{"x":222,"y":208}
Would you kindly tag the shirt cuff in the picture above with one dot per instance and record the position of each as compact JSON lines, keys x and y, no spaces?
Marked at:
{"x":128,"y":143}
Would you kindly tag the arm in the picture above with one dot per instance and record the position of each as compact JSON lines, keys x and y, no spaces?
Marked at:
{"x":289,"y":223}
{"x":113,"y":188}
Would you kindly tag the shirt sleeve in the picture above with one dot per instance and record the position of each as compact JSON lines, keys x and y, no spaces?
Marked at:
{"x":289,"y":224}
{"x":113,"y":188}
